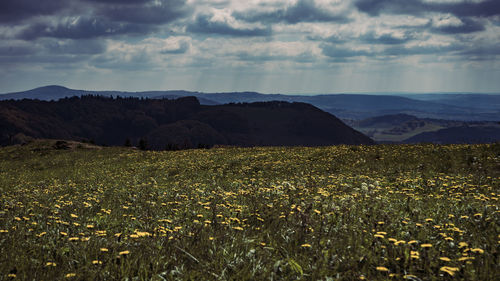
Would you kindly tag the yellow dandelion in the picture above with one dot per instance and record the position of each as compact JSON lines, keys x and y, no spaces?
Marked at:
{"x":73,"y":239}
{"x":69,"y":275}
{"x":378,"y":236}
{"x":123,"y":253}
{"x":306,"y":245}
{"x":73,"y":216}
{"x":477,"y":250}
{"x":426,"y":245}
{"x":463,"y":244}
{"x":50,"y":264}
{"x":96,"y":262}
{"x":104,"y":250}
{"x":444,"y":259}
{"x":4,"y":231}
{"x":90,"y":226}
{"x":63,"y":233}
{"x":238,"y":228}
{"x":382,"y":268}
{"x":448,"y":269}
{"x":211,"y":238}
{"x":11,"y":275}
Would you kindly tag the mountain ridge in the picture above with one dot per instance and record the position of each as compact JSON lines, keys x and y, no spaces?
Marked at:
{"x":179,"y":123}
{"x":344,"y":106}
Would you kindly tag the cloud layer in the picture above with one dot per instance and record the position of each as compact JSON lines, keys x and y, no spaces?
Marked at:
{"x":263,"y":45}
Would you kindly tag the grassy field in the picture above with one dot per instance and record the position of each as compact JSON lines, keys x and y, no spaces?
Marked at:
{"x":385,"y":212}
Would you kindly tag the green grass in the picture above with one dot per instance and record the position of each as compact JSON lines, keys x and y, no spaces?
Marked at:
{"x":400,"y":212}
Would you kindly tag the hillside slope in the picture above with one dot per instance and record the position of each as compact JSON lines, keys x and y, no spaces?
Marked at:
{"x":181,"y":123}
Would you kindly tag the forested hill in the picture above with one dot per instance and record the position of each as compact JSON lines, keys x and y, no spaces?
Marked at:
{"x":171,"y":124}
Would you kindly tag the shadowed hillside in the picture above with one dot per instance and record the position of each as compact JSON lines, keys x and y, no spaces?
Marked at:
{"x":172,"y":124}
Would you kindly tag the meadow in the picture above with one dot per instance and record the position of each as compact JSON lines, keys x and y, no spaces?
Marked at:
{"x":383,"y":212}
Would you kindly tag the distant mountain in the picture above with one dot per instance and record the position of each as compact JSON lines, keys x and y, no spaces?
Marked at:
{"x":470,"y":107}
{"x":478,"y":101}
{"x":463,"y":134}
{"x":399,"y":127}
{"x":179,"y":123}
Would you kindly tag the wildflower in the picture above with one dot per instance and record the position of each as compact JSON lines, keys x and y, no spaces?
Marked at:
{"x":426,"y":245}
{"x":104,"y":250}
{"x":63,"y":233}
{"x":477,"y":250}
{"x":450,"y":270}
{"x":69,"y":275}
{"x":4,"y":231}
{"x":50,"y":264}
{"x":74,"y":239}
{"x":123,"y":253}
{"x":11,"y":275}
{"x":238,"y":228}
{"x":96,"y":262}
{"x":463,"y":244}
{"x":306,"y":245}
{"x":73,"y":216}
{"x":382,"y":268}
{"x":90,"y":226}
{"x":444,"y":259}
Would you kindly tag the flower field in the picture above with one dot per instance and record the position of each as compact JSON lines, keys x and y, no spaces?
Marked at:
{"x":384,"y":212}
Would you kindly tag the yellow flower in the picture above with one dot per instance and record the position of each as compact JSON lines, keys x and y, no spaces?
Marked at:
{"x":426,"y":245}
{"x":462,"y":244}
{"x":477,"y":250}
{"x":237,"y":228}
{"x":69,"y":275}
{"x":382,"y":268}
{"x":450,"y":270}
{"x":444,"y":259}
{"x":123,"y":253}
{"x":73,"y":216}
{"x":74,"y":239}
{"x":104,"y":250}
{"x":50,"y":264}
{"x":96,"y":262}
{"x":306,"y":245}
{"x":4,"y":231}
{"x":90,"y":226}
{"x":11,"y":275}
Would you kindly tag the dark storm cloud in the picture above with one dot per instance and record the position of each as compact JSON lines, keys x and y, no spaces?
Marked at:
{"x":17,"y":10}
{"x":416,"y":7}
{"x":16,"y":49}
{"x":68,"y":46}
{"x":145,"y":12}
{"x":333,"y":51}
{"x":82,"y":28}
{"x":90,"y":18}
{"x":203,"y":24}
{"x":302,"y":11}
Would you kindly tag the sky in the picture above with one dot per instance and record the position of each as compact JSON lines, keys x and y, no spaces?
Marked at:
{"x":269,"y":46}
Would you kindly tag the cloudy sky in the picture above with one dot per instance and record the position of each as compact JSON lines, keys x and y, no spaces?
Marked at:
{"x":271,"y":46}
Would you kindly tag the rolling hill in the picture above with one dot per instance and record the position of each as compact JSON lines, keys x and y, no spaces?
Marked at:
{"x":469,"y":107}
{"x":172,"y":124}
